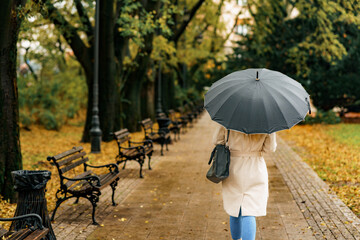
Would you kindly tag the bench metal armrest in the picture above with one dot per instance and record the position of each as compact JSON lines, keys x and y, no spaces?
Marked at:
{"x":112,"y":167}
{"x":145,"y":142}
{"x":90,"y":179}
{"x":138,"y":148}
{"x":36,"y":217}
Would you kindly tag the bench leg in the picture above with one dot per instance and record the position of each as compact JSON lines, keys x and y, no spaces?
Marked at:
{"x":124,"y":165}
{"x":58,"y":203}
{"x":141,"y":162}
{"x":162,"y":145}
{"x":77,"y":200}
{"x":113,"y":187}
{"x":166,"y":143}
{"x":94,"y":198}
{"x":149,"y":159}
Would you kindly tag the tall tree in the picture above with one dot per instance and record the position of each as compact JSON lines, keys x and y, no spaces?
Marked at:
{"x":83,"y":48}
{"x":11,"y":16}
{"x":314,"y":42}
{"x":137,"y":74}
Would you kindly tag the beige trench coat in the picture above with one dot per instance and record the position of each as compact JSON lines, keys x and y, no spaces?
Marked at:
{"x":247,"y":184}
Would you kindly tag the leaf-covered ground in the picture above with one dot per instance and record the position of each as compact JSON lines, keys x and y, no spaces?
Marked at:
{"x":333,"y":151}
{"x":39,"y":143}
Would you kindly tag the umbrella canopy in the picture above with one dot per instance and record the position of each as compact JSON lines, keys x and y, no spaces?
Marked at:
{"x":257,"y":101}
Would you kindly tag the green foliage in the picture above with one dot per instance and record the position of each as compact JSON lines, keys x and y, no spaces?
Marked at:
{"x":328,"y":117}
{"x":184,"y":96}
{"x":52,"y":100}
{"x":318,"y":45}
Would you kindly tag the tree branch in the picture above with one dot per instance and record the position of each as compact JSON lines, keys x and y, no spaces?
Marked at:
{"x":233,"y":28}
{"x":84,"y":18}
{"x":186,"y":22}
{"x":218,"y":13}
{"x":27,"y":62}
{"x":69,"y":32}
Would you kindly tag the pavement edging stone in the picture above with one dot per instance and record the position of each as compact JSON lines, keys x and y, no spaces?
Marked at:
{"x":326,"y":214}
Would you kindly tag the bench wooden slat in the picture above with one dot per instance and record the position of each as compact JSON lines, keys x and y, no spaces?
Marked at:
{"x":122,"y":136}
{"x":126,"y":154}
{"x":38,"y":234}
{"x":121,"y":132}
{"x":162,"y":115}
{"x":19,"y":235}
{"x":73,"y":165}
{"x":130,"y":152}
{"x":147,"y":123}
{"x":66,"y":153}
{"x":124,"y":139}
{"x":84,"y":174}
{"x":80,"y":186}
{"x":2,"y":232}
{"x":71,"y":158}
{"x":107,"y":179}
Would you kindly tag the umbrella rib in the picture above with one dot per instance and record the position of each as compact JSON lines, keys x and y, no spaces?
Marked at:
{"x":282,"y":114}
{"x":218,"y":95}
{"x":226,"y":87}
{"x":288,"y":99}
{"x":235,"y":109}
{"x":265,"y":109}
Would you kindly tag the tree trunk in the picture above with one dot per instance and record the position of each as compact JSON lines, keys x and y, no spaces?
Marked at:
{"x":168,"y":91}
{"x":132,"y":108}
{"x":107,"y":70}
{"x":10,"y":152}
{"x":148,"y":99}
{"x":136,"y":77}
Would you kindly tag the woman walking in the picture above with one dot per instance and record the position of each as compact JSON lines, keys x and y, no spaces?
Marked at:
{"x":245,"y":192}
{"x":255,"y":103}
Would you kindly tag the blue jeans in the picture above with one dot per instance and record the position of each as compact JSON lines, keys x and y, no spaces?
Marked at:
{"x":243,"y":227}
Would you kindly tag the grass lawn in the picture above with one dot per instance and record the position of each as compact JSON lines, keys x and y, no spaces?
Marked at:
{"x":346,"y":133}
{"x":333,"y":151}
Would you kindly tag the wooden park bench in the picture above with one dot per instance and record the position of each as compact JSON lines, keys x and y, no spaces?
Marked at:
{"x":134,"y":150}
{"x":180,"y":121}
{"x":34,"y":229}
{"x":186,"y":114}
{"x":86,"y":184}
{"x":162,"y":137}
{"x":165,"y":123}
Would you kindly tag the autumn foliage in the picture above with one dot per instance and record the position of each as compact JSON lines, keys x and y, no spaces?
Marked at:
{"x":39,"y":143}
{"x":333,"y":151}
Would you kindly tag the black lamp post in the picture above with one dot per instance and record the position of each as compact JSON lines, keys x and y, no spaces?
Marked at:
{"x":95,"y":131}
{"x":158,"y":102}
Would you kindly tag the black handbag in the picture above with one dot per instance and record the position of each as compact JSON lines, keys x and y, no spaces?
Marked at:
{"x":220,"y":158}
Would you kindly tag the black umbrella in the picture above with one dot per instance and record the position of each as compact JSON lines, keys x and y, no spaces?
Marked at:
{"x":257,"y":101}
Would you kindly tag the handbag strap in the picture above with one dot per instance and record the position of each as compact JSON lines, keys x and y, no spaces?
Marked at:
{"x":213,"y":152}
{"x":212,"y":155}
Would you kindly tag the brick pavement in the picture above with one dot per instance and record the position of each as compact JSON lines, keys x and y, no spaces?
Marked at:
{"x":325,"y":213}
{"x":175,"y":201}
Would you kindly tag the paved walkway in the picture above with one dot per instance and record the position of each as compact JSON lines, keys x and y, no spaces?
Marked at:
{"x":176,"y":201}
